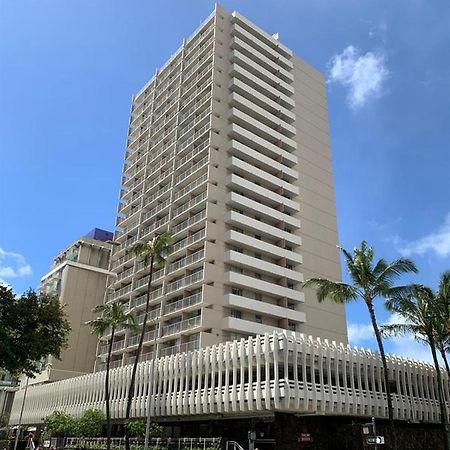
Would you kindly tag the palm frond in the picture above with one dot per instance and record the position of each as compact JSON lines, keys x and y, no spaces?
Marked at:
{"x":336,"y":291}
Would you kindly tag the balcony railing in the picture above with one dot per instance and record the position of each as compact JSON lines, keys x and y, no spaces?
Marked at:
{"x":125,"y":290}
{"x":144,"y":281}
{"x":198,"y":236}
{"x":186,"y":281}
{"x":184,"y":325}
{"x":191,"y":186}
{"x":155,"y":225}
{"x":197,"y":256}
{"x":125,"y":274}
{"x":119,"y":345}
{"x":157,"y":194}
{"x":181,"y":348}
{"x":156,"y":210}
{"x":138,"y":301}
{"x":148,"y":337}
{"x":128,"y":243}
{"x":192,"y":138}
{"x":183,"y":303}
{"x":191,"y":203}
{"x":189,"y":222}
{"x":191,"y":170}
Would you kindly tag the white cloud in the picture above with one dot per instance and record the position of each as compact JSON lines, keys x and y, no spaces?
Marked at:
{"x":12,"y":265}
{"x":438,"y":241}
{"x":361,"y":334}
{"x":363,"y":75}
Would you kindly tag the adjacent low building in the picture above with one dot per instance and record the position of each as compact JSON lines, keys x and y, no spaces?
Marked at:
{"x":78,"y":277}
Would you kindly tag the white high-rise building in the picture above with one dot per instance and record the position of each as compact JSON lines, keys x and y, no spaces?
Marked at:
{"x":228,"y":149}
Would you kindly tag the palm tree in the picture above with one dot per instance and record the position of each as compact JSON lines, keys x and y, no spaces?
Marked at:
{"x":442,"y":324}
{"x":369,"y":280}
{"x":112,"y":316}
{"x":418,"y":307}
{"x":154,"y":254}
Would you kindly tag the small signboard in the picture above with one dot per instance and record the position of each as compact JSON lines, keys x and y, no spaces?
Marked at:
{"x":305,"y":437}
{"x":375,"y":440}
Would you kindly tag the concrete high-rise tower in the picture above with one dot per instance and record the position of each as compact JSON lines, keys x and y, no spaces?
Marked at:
{"x":228,"y":149}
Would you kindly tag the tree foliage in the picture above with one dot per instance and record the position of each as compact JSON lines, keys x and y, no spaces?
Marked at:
{"x":91,"y":423}
{"x":32,"y":327}
{"x":61,"y":424}
{"x":136,"y":429}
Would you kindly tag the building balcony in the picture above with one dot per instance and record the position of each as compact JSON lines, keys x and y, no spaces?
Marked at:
{"x":180,"y":348}
{"x":183,"y":304}
{"x":185,"y":281}
{"x":262,"y":145}
{"x":190,"y":240}
{"x":247,"y":326}
{"x":256,"y":306}
{"x":260,"y":193}
{"x":255,"y":126}
{"x":271,"y":215}
{"x":264,"y":287}
{"x":187,"y":206}
{"x":261,"y":61}
{"x":181,"y":326}
{"x":261,"y":35}
{"x":261,"y":46}
{"x":149,"y":336}
{"x":185,"y":176}
{"x":268,"y":164}
{"x":250,"y":262}
{"x":188,"y":223}
{"x":142,"y":299}
{"x":255,"y":174}
{"x":262,"y":247}
{"x":271,"y":120}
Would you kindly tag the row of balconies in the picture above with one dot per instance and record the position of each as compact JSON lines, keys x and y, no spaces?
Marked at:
{"x":189,"y":204}
{"x":190,"y":187}
{"x":193,"y":168}
{"x":186,"y":261}
{"x":261,"y":46}
{"x":194,"y":152}
{"x":189,"y":222}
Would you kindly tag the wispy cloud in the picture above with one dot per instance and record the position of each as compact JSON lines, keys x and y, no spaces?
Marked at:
{"x":363,"y":75}
{"x":437,"y":241}
{"x":358,"y":333}
{"x":12,"y":265}
{"x":361,"y":334}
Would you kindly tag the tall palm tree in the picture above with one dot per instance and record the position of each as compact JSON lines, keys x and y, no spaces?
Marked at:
{"x":442,"y":324}
{"x":419,"y":311}
{"x":111,"y":317}
{"x":369,"y":280}
{"x":154,"y":254}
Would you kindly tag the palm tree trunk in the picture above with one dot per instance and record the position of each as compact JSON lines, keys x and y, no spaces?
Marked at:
{"x":442,"y":405}
{"x":108,"y":410}
{"x":444,"y":357}
{"x":385,"y":374}
{"x":136,"y":360}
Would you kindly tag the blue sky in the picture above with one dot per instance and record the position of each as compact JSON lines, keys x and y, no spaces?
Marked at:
{"x":68,"y":70}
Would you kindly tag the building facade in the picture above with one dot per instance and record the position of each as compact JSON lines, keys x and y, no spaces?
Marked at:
{"x":228,"y":150}
{"x":78,"y":277}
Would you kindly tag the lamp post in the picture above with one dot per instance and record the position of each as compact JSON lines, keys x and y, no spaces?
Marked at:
{"x":20,"y":416}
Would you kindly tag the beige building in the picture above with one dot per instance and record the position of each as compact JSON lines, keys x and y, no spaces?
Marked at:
{"x":78,"y":276}
{"x":228,"y":149}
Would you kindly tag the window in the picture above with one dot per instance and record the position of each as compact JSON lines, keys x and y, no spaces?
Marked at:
{"x":236,"y":291}
{"x":258,"y":255}
{"x":236,"y":313}
{"x":258,"y":276}
{"x":292,"y":326}
{"x":290,"y":285}
{"x":291,"y":305}
{"x":258,"y":296}
{"x":257,"y":236}
{"x":289,"y":266}
{"x":258,"y":318}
